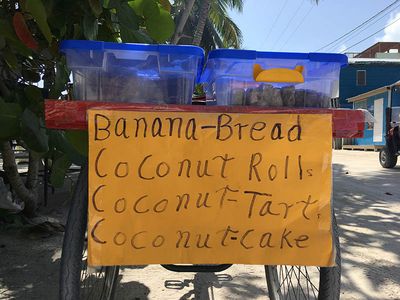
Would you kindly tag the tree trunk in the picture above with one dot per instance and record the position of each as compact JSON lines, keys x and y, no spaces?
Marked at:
{"x":203,"y":15}
{"x":32,"y":179}
{"x":182,"y":21}
{"x":27,"y":195}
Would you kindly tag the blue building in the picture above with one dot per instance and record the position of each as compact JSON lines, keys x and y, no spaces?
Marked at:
{"x":376,"y":102}
{"x":370,"y":81}
{"x":366,"y":74}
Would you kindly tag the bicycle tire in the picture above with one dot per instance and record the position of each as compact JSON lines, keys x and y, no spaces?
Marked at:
{"x":73,"y":251}
{"x":329,"y":278}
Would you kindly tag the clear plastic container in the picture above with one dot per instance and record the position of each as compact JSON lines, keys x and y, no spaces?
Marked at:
{"x":136,"y":73}
{"x":271,"y":79}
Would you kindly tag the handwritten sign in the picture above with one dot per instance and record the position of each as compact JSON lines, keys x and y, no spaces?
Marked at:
{"x":209,"y":188}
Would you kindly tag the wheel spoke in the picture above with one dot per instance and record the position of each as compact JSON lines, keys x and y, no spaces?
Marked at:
{"x":292,"y":271}
{"x":307,"y":276}
{"x":303,"y":282}
{"x":287,"y":275}
{"x":96,"y":282}
{"x":294,"y":282}
{"x":299,"y":285}
{"x":313,"y":287}
{"x":77,"y":278}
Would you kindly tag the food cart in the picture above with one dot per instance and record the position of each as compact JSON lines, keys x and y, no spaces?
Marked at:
{"x":244,"y":179}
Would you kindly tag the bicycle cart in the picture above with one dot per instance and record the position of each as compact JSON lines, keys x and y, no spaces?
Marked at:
{"x":232,"y":130}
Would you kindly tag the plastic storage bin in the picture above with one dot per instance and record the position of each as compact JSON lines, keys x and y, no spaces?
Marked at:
{"x":137,"y":73}
{"x":272,"y":79}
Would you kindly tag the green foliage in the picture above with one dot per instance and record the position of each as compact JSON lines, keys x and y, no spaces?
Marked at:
{"x":160,"y":25}
{"x":96,"y":7}
{"x":37,"y":10}
{"x":30,"y":33}
{"x":227,"y":30}
{"x":129,"y":22}
{"x":137,"y":6}
{"x":30,"y":75}
{"x":7,"y":31}
{"x":165,"y":4}
{"x":32,"y":98}
{"x":33,"y":132}
{"x":60,"y":143}
{"x":219,"y":32}
{"x":79,"y":140}
{"x":152,"y":15}
{"x":11,"y":59}
{"x":33,"y":94}
{"x":60,"y":79}
{"x":59,"y":167}
{"x":10,"y":114}
{"x":90,"y":26}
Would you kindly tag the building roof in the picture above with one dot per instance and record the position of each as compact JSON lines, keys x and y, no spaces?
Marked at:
{"x":378,"y":48}
{"x":374,"y":61}
{"x":372,"y":93}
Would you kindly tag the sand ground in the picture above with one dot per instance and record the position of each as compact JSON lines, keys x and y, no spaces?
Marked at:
{"x":367,"y":204}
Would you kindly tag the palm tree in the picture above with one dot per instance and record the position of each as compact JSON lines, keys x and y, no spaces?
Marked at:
{"x":213,"y":27}
{"x":212,"y":15}
{"x":203,"y":16}
{"x":216,"y":12}
{"x":208,"y":23}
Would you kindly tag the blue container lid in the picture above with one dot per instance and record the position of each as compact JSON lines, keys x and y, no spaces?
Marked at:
{"x":184,"y":50}
{"x":98,"y":45}
{"x":251,"y":54}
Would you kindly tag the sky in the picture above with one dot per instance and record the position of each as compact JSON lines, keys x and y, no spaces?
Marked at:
{"x":303,"y":26}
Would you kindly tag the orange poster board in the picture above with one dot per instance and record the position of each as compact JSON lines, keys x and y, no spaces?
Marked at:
{"x":209,"y":188}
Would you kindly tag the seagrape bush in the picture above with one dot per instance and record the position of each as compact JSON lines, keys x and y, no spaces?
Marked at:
{"x":32,"y":69}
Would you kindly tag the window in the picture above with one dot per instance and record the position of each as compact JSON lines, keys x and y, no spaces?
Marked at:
{"x":361,"y":77}
{"x":361,"y":104}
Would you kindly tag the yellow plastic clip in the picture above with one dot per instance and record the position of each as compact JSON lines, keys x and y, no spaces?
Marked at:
{"x":278,"y":74}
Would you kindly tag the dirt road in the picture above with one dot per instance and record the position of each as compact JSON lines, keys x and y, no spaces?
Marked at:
{"x":367,"y":203}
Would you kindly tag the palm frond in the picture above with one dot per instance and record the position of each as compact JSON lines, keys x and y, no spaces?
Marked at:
{"x":232,"y":35}
{"x":220,"y":30}
{"x":210,"y":29}
{"x":232,"y":4}
{"x":225,"y":26}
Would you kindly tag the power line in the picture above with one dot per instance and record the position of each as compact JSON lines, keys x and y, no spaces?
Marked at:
{"x":361,"y":31}
{"x":359,"y":26}
{"x":395,"y":21}
{"x":297,"y":28}
{"x":290,"y":22}
{"x":274,"y":23}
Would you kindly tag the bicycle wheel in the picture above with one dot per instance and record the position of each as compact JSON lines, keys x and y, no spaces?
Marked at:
{"x":299,"y":282}
{"x":77,"y":279}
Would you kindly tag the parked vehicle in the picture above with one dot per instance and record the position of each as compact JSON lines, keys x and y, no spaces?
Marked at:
{"x":389,"y":153}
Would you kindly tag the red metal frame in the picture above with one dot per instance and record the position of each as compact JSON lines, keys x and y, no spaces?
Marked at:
{"x":72,"y":114}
